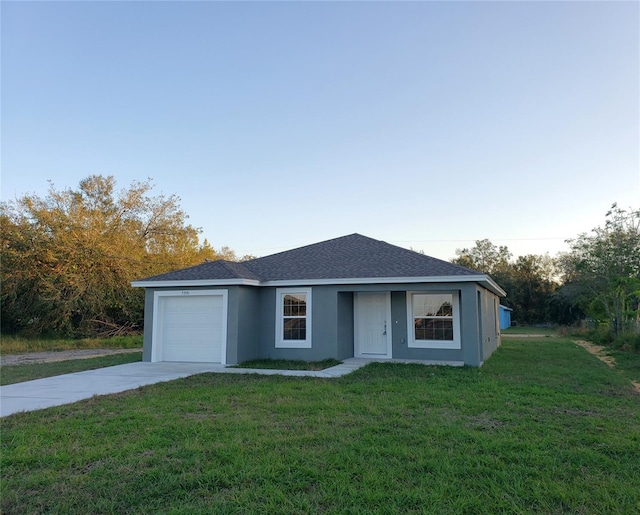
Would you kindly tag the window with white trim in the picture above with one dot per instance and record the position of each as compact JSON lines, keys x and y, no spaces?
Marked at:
{"x":293,"y":323}
{"x":433,"y":320}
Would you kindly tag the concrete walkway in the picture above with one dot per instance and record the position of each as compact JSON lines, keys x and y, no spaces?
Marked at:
{"x":68,"y":388}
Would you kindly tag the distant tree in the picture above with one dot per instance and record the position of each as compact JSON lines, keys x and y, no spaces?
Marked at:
{"x":565,"y":305}
{"x":230,"y":255}
{"x":605,"y":266}
{"x":529,"y":280}
{"x":532,"y":285}
{"x":484,"y":257}
{"x":68,"y":258}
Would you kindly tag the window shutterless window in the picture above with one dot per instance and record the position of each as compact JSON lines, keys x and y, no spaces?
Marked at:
{"x":433,"y":320}
{"x":293,"y":323}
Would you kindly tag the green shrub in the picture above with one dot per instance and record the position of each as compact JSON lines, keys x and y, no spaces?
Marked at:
{"x":627,"y":342}
{"x":601,"y":336}
{"x":573,"y":331}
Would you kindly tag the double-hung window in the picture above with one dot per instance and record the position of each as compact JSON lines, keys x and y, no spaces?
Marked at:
{"x":433,"y":320}
{"x":293,"y":323}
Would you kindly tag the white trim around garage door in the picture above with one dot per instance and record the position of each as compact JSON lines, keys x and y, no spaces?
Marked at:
{"x":157,"y":337}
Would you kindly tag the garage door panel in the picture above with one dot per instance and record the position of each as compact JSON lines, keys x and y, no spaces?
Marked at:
{"x":192,"y":328}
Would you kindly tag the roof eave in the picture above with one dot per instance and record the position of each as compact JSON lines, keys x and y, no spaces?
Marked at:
{"x":484,"y":280}
{"x":493,"y":286}
{"x":195,"y":282}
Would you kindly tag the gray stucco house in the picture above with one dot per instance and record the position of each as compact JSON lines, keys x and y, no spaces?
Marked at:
{"x":347,"y":297}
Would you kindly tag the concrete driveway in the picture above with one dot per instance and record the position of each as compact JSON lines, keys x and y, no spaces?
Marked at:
{"x":68,"y":388}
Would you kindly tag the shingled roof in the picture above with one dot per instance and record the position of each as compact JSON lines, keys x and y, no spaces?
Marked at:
{"x":219,"y":269}
{"x":348,"y":257}
{"x":353,"y":256}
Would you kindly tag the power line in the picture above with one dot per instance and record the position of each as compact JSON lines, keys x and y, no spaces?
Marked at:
{"x":476,"y":239}
{"x":466,"y":240}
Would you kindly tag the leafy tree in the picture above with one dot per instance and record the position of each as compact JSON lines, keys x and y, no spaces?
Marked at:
{"x":566,"y":305}
{"x":532,"y":284}
{"x":529,"y":280}
{"x":605,"y":265}
{"x":230,"y":255}
{"x":68,"y":258}
{"x":484,"y":257}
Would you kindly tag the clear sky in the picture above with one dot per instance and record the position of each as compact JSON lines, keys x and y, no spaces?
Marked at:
{"x":424,"y":124}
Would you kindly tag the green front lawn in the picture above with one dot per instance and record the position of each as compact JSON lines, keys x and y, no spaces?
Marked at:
{"x":10,"y":374}
{"x":543,"y":427}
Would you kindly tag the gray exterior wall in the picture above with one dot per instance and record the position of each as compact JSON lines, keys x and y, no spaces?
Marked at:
{"x":148,"y":324}
{"x":233,"y":316}
{"x":324,"y":327}
{"x":333,"y":324}
{"x":400,"y":336}
{"x":489,"y":322}
{"x":251,"y":323}
{"x":244,"y":342}
{"x":345,"y":325}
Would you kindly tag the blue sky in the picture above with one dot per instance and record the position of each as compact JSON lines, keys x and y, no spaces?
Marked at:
{"x":424,"y":124}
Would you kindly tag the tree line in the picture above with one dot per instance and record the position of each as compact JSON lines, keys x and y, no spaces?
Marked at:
{"x":528,"y":280}
{"x":68,"y":259}
{"x":597,"y":279}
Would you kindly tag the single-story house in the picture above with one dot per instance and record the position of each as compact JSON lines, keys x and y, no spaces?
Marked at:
{"x":505,"y":317}
{"x":351,"y":296}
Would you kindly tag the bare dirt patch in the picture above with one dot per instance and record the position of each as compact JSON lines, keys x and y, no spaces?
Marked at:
{"x":600,"y":352}
{"x":61,"y":355}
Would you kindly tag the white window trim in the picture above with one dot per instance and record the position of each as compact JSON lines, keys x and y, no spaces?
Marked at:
{"x":434,"y":344}
{"x":281,"y":343}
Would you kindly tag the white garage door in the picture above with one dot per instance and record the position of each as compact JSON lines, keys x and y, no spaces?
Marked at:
{"x":192,"y":328}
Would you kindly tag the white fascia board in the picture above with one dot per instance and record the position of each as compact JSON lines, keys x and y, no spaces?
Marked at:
{"x":195,"y":282}
{"x":485,"y":280}
{"x":492,"y":286}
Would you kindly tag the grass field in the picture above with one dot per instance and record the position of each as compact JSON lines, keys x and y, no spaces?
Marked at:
{"x":628,"y":363}
{"x":543,"y":427}
{"x":10,"y":374}
{"x":18,"y":345}
{"x":546,"y":331}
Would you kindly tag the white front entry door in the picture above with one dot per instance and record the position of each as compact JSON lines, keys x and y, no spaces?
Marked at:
{"x":372,"y":325}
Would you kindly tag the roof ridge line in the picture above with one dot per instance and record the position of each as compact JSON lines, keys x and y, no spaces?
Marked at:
{"x":232,"y":267}
{"x":312,"y":245}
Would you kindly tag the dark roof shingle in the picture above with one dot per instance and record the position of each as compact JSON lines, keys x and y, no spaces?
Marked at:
{"x":209,"y":270}
{"x":353,"y":256}
{"x":348,"y":257}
